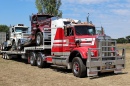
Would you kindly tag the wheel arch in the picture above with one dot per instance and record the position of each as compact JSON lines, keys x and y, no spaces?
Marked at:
{"x":13,"y":40}
{"x":75,"y":54}
{"x":37,"y":31}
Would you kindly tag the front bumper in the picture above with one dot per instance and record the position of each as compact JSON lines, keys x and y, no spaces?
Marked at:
{"x":98,"y":64}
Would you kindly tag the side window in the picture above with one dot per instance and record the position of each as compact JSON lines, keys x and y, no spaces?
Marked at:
{"x":69,"y":32}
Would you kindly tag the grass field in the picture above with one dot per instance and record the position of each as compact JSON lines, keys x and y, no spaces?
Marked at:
{"x":17,"y":72}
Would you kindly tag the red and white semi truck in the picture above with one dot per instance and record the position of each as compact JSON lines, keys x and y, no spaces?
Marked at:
{"x":74,"y":45}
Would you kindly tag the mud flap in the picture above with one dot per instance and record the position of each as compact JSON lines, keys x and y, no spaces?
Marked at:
{"x":118,"y":69}
{"x":92,"y":72}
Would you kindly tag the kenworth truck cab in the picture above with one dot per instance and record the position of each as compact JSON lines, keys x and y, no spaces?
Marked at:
{"x":78,"y":47}
{"x":17,"y":36}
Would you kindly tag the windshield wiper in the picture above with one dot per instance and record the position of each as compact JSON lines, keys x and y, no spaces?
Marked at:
{"x":78,"y":32}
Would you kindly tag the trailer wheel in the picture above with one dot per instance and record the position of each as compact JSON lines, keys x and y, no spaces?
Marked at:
{"x":78,"y":68}
{"x":40,"y":62}
{"x":3,"y":55}
{"x":33,"y":59}
{"x":7,"y":56}
{"x":19,"y":45}
{"x":39,"y":39}
{"x":3,"y":47}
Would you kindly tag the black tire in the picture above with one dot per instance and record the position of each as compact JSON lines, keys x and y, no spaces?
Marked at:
{"x":3,"y":55}
{"x":39,"y":39}
{"x":8,"y":57}
{"x":33,"y":59}
{"x":13,"y":46}
{"x":19,"y":45}
{"x":78,"y":68}
{"x":3,"y":47}
{"x":40,"y":62}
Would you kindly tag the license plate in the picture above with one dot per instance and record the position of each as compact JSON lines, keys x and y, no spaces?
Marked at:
{"x":108,"y":65}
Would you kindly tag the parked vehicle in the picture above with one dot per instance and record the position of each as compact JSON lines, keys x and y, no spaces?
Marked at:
{"x":16,"y":37}
{"x":74,"y":45}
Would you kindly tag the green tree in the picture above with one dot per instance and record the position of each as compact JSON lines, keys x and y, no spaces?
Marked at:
{"x":128,"y":39}
{"x":4,"y":28}
{"x":49,"y":7}
{"x":122,"y":40}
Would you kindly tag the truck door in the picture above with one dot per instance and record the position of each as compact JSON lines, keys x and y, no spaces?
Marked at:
{"x":70,"y":39}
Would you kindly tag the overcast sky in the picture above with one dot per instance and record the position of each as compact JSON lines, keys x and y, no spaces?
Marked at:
{"x":113,"y":15}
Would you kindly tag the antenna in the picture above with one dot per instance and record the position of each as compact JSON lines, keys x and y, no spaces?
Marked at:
{"x":88,"y":18}
{"x":102,"y":29}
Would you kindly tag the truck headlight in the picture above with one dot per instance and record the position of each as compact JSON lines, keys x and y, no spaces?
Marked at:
{"x":92,"y":54}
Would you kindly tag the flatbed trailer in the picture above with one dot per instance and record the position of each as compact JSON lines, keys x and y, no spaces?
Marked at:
{"x":92,"y":62}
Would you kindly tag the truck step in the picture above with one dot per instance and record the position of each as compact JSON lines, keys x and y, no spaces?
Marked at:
{"x":58,"y":66}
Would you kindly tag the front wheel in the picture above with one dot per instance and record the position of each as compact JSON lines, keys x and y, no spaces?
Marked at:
{"x":78,"y":68}
{"x":3,"y":55}
{"x":39,"y":39}
{"x":19,"y":45}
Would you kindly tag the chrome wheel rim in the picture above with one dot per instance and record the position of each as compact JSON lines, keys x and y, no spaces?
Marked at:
{"x":31,"y":59}
{"x":76,"y":67}
{"x":38,"y":39}
{"x":38,"y":61}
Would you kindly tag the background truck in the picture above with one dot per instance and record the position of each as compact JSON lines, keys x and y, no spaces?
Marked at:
{"x":16,"y":37}
{"x":38,"y":23}
{"x":74,"y":45}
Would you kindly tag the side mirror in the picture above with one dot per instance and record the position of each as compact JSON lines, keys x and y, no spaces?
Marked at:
{"x":12,"y":29}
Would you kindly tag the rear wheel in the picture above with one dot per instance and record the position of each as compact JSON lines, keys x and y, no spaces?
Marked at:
{"x":33,"y":59}
{"x":40,"y":62}
{"x":39,"y":39}
{"x":13,"y":46}
{"x":78,"y":68}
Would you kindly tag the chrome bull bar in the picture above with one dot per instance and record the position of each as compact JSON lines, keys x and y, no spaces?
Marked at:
{"x":100,"y":63}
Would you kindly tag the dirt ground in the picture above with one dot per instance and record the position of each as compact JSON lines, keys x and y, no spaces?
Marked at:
{"x":17,"y":72}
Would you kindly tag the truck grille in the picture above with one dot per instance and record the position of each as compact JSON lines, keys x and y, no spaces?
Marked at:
{"x":108,"y":49}
{"x":26,"y":35}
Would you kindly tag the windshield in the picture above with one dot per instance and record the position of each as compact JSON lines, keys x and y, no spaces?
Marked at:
{"x":39,"y":18}
{"x":21,"y":29}
{"x":66,"y":22}
{"x":85,"y":30}
{"x":42,"y":18}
